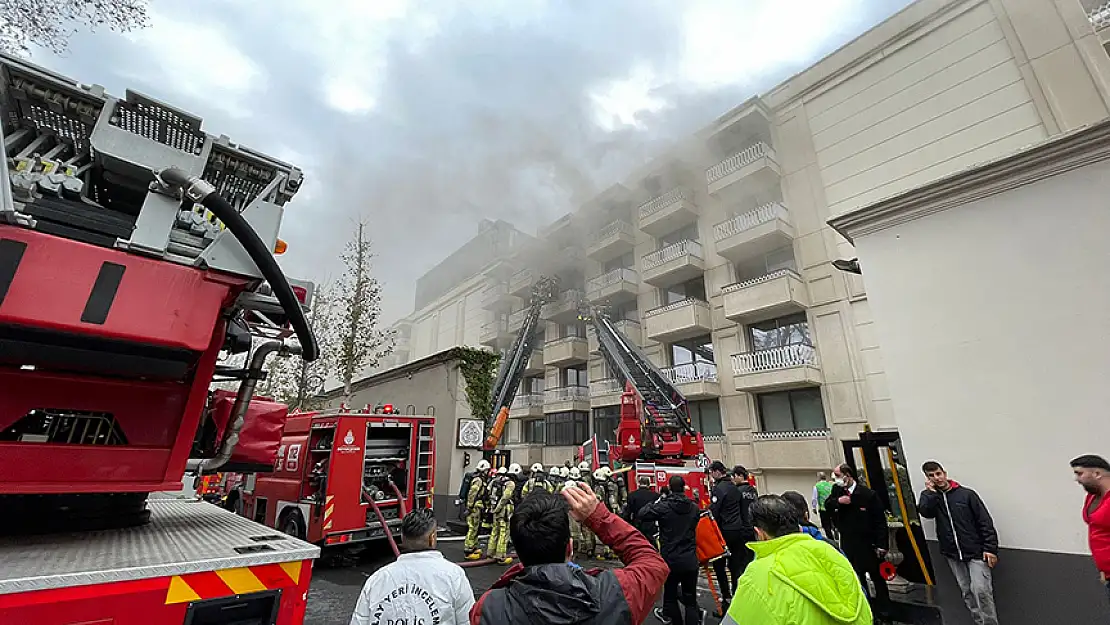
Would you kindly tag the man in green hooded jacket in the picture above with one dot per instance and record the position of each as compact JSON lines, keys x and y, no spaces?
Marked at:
{"x":794,"y":580}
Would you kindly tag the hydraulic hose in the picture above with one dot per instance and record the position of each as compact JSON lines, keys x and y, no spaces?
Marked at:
{"x":203,"y":193}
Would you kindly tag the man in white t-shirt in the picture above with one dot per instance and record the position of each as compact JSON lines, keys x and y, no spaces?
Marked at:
{"x":420,"y":587}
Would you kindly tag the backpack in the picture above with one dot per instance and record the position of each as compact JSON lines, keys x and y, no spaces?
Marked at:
{"x":496,"y":489}
{"x":464,"y":488}
{"x":518,"y":492}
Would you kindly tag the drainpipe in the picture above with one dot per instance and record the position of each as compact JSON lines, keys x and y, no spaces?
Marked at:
{"x":242,"y":402}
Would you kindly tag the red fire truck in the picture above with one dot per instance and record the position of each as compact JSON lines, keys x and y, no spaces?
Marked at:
{"x":337,"y":470}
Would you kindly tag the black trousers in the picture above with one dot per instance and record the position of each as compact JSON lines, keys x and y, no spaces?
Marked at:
{"x":735,"y":563}
{"x":827,"y":524}
{"x":866,"y":561}
{"x":681,"y":587}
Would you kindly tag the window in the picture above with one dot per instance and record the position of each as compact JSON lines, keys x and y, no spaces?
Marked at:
{"x":782,"y":258}
{"x":705,"y":417}
{"x":696,"y":350}
{"x":574,"y":376}
{"x":514,"y":432}
{"x":626,"y":311}
{"x":532,"y":385}
{"x":789,"y":330}
{"x":689,"y":232}
{"x":605,"y":423}
{"x":791,"y":411}
{"x":567,"y":428}
{"x":691,"y":289}
{"x":533,"y":431}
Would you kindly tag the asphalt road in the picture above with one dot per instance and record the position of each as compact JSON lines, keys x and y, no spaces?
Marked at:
{"x":335,"y":586}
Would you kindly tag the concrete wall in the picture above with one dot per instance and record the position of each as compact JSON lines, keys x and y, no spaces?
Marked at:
{"x":992,"y":316}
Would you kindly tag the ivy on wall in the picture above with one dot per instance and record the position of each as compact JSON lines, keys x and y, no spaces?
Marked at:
{"x":478,"y":368}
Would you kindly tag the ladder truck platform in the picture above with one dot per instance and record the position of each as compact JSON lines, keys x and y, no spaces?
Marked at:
{"x":193,"y":563}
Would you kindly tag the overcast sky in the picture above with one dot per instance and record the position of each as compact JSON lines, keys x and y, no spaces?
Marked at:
{"x":421,"y":118}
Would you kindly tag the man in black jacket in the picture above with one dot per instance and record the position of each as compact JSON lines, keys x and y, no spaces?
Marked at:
{"x":967,"y":538}
{"x":861,"y":518}
{"x":677,"y":516}
{"x":637,"y":499}
{"x":729,"y":504}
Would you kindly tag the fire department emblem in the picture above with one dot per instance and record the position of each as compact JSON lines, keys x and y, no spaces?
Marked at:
{"x":349,"y":439}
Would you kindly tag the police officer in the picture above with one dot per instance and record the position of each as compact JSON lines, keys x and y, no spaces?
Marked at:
{"x":501,"y":491}
{"x":475,"y":507}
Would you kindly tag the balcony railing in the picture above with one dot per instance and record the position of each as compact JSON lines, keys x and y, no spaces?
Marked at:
{"x":528,"y":400}
{"x":736,"y":162}
{"x":566,"y":393}
{"x":689,"y":301}
{"x":494,"y":292}
{"x":613,"y":229}
{"x":564,"y":340}
{"x":610,"y":278}
{"x":522,"y":278}
{"x":691,"y":372}
{"x":658,"y":203}
{"x":775,"y":358}
{"x":516,"y":319}
{"x":671,"y":252}
{"x":1099,"y":17}
{"x":767,"y":277}
{"x":749,"y":220}
{"x":790,"y":435}
{"x":608,"y":386}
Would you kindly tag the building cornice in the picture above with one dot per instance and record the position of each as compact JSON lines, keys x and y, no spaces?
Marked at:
{"x":1060,"y":154}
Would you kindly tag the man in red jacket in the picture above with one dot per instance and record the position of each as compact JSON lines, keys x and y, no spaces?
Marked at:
{"x":545,"y":587}
{"x":1093,"y":474}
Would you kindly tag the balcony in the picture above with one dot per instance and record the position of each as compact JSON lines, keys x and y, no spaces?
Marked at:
{"x":535,"y":365}
{"x":776,"y":294}
{"x":676,"y":263}
{"x":678,"y":320}
{"x":755,"y":167}
{"x":613,"y":241}
{"x":605,"y":392}
{"x":520,"y":284}
{"x":668,"y":212}
{"x":498,"y":298}
{"x":754,"y":233}
{"x":616,"y":287}
{"x":571,"y":350}
{"x":500,"y":269}
{"x":788,"y":366}
{"x":809,"y":449}
{"x":527,"y":405}
{"x":516,"y":319}
{"x":565,"y":308}
{"x":696,"y":380}
{"x":629,"y":328}
{"x":1099,"y":16}
{"x":495,"y":334}
{"x":566,"y":398}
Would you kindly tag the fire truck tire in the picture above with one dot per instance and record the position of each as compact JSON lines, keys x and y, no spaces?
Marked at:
{"x":293,"y":524}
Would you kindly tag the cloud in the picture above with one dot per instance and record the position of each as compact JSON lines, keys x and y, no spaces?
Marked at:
{"x":421,"y":118}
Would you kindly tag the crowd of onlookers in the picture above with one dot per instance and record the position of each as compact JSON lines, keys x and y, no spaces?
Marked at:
{"x":781,"y":568}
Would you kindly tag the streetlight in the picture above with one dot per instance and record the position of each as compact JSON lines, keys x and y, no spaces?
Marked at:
{"x":849,"y":265}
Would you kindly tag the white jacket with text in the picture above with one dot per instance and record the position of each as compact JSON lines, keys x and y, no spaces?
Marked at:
{"x":420,"y":588}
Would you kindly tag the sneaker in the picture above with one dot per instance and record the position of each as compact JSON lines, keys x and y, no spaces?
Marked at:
{"x":662,"y":617}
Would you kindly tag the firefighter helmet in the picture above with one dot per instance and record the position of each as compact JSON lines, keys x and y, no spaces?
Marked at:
{"x":600,"y":474}
{"x":575,"y":473}
{"x":483,"y":465}
{"x":537,"y":467}
{"x":502,"y":471}
{"x":564,"y":472}
{"x":554,"y":470}
{"x":584,"y":466}
{"x":514,"y":468}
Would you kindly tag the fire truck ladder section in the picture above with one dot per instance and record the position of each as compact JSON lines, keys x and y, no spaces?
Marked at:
{"x":516,"y":359}
{"x":666,"y":413}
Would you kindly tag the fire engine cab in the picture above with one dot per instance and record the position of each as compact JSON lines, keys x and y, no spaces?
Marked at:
{"x":340,"y":475}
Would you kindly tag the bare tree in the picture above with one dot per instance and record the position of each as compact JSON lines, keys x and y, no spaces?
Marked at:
{"x":50,"y":24}
{"x":358,"y":343}
{"x":308,"y":378}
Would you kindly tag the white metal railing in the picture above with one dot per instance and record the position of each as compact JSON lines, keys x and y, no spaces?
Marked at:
{"x":685,"y":247}
{"x":767,"y":277}
{"x":691,"y":372}
{"x":689,"y":301}
{"x":1099,"y":17}
{"x":659,"y":202}
{"x":610,"y":278}
{"x":615,"y":228}
{"x":608,"y":386}
{"x":564,"y":341}
{"x":737,"y":161}
{"x":790,"y":435}
{"x":749,"y":220}
{"x":774,"y":358}
{"x":516,"y":319}
{"x":527,"y":400}
{"x":521,"y":278}
{"x":566,"y":393}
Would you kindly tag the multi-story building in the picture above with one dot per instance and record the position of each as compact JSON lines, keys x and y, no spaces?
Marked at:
{"x":717,"y":258}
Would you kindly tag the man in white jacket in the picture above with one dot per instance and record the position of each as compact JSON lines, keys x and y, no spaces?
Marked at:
{"x":420,"y":587}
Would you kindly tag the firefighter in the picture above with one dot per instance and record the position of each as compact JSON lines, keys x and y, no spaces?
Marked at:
{"x":577,"y":539}
{"x":500,"y":500}
{"x":564,"y":473}
{"x":606,"y":491}
{"x":589,"y":540}
{"x":538,"y":480}
{"x":475,"y":507}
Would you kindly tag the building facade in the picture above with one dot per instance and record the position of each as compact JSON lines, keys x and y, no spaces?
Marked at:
{"x":717,"y":258}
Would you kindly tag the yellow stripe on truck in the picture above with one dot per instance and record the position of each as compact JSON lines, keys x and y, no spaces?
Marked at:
{"x":241,"y":581}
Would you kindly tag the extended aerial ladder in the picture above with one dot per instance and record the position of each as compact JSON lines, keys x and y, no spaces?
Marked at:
{"x":515,"y":362}
{"x":655,"y":418}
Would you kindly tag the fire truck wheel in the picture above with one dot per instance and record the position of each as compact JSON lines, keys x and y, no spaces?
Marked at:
{"x":294,"y":524}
